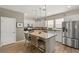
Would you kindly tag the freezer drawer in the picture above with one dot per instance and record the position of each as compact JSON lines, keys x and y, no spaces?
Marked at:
{"x":75,"y":43}
{"x":64,"y":40}
{"x":69,"y":41}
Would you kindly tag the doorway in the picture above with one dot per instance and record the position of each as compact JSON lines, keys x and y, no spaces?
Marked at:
{"x":8,"y":30}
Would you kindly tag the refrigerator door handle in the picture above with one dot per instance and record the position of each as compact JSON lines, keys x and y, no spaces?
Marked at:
{"x":66,"y":30}
{"x":63,"y":29}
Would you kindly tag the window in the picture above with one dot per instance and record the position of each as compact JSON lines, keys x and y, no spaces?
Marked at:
{"x":49,"y":23}
{"x":58,"y":22}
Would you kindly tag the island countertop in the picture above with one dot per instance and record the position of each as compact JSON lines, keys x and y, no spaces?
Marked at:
{"x":42,"y":34}
{"x":48,"y":43}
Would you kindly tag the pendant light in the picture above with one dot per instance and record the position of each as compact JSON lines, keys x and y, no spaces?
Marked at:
{"x":45,"y":17}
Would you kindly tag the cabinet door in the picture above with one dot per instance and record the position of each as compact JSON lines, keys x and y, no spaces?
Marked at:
{"x":59,"y":36}
{"x":34,"y":40}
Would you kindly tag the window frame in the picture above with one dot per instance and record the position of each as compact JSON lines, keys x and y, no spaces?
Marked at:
{"x":48,"y":23}
{"x":60,"y":24}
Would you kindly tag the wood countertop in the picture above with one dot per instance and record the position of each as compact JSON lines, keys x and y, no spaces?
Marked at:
{"x":42,"y":34}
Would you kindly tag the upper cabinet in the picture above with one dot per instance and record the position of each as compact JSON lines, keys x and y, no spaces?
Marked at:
{"x":72,"y":17}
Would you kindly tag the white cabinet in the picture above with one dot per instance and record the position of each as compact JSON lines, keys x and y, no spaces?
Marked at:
{"x":72,"y":18}
{"x":59,"y":36}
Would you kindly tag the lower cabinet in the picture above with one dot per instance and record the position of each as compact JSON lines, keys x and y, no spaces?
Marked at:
{"x":41,"y":44}
{"x":34,"y":40}
{"x":38,"y":42}
{"x":44,"y":45}
{"x":59,"y":36}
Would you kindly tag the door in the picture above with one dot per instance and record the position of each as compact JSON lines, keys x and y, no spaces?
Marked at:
{"x":72,"y":29}
{"x":8,"y":30}
{"x":77,"y":30}
{"x":68,"y":29}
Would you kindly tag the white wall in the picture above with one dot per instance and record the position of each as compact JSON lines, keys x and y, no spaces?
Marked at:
{"x":29,"y":21}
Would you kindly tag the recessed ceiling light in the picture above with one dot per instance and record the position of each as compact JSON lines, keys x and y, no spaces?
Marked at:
{"x":69,"y":6}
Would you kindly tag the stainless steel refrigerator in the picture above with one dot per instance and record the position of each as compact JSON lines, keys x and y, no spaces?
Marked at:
{"x":70,"y":31}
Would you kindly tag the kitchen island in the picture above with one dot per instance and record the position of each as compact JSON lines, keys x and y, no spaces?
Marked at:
{"x":43,"y":41}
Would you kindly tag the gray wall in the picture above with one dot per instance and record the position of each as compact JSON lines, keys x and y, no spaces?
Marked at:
{"x":19,"y":18}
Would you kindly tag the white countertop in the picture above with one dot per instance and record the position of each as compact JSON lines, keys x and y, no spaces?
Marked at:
{"x":49,"y":35}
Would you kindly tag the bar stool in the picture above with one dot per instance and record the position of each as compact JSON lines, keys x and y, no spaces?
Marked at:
{"x":27,"y":39}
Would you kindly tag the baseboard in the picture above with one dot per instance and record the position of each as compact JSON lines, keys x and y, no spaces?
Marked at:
{"x":1,"y":45}
{"x":19,"y":41}
{"x":12,"y":43}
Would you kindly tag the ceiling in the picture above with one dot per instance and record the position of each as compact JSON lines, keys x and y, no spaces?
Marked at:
{"x":34,"y":10}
